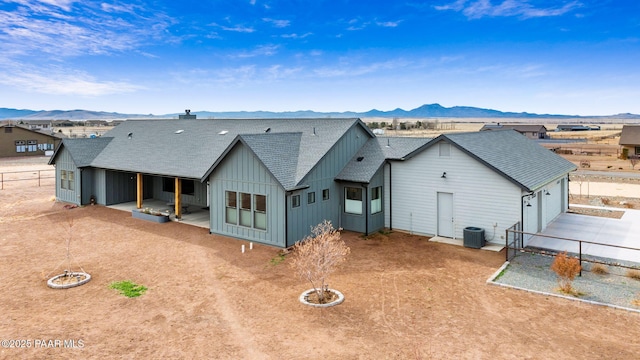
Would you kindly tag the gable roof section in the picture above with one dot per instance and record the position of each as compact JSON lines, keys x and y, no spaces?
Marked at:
{"x":374,"y":153}
{"x":82,"y":151}
{"x":512,"y":155}
{"x":189,"y":148}
{"x":35,"y":131}
{"x":278,"y":152}
{"x":630,"y":135}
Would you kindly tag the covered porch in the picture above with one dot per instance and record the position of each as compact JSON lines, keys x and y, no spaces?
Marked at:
{"x":191,"y":214}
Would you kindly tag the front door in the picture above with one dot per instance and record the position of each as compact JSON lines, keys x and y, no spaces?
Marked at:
{"x":445,"y":214}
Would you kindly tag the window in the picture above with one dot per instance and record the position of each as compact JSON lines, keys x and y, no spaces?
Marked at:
{"x":376,"y":200}
{"x":32,"y":145}
{"x":295,"y":201}
{"x":63,"y":179}
{"x":72,"y":182}
{"x":260,"y":212}
{"x":188,"y":187}
{"x":325,"y":194}
{"x":245,"y":209}
{"x":231,"y":205}
{"x":444,"y":149}
{"x":168,"y":184}
{"x":8,"y":129}
{"x":21,"y":146}
{"x":311,"y":197}
{"x":637,"y":150}
{"x":353,"y":200}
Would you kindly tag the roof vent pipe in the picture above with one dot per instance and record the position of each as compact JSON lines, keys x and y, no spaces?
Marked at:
{"x":314,"y":131}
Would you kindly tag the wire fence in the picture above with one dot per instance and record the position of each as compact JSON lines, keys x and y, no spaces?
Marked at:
{"x":28,"y":175}
{"x":574,"y":248}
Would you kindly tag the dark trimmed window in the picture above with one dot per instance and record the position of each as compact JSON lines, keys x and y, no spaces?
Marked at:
{"x":376,"y":200}
{"x":168,"y":184}
{"x":295,"y":201}
{"x":231,"y":207}
{"x":311,"y":197}
{"x":260,"y":212}
{"x":188,"y":187}
{"x":325,"y":194}
{"x":353,"y":200}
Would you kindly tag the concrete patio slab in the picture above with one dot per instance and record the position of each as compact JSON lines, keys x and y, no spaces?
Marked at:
{"x":620,"y":232}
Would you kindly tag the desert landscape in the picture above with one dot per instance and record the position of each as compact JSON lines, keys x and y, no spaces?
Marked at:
{"x":406,"y":297}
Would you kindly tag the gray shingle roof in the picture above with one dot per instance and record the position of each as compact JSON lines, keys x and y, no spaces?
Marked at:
{"x":82,"y":151}
{"x":373,"y":154}
{"x":630,"y":135}
{"x":279,"y":152}
{"x":519,"y":159}
{"x":188,"y":148}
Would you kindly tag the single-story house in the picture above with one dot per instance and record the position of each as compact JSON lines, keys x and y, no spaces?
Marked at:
{"x":19,"y":140}
{"x":530,"y":131}
{"x":630,"y":139}
{"x":271,"y":180}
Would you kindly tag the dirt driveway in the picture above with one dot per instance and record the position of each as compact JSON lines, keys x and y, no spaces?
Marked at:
{"x":406,"y":297}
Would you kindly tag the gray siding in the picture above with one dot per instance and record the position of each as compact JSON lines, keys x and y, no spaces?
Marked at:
{"x":120,"y":187}
{"x":376,"y":221}
{"x":303,"y":218}
{"x":199,"y":197}
{"x":66,"y":163}
{"x":87,"y":185}
{"x":99,"y":186}
{"x":241,"y":171}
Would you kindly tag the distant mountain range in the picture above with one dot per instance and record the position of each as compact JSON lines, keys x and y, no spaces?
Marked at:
{"x":424,"y":111}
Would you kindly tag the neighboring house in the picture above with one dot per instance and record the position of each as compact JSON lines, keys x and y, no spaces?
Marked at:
{"x":573,"y":127}
{"x":17,"y":140}
{"x":630,"y":139}
{"x":44,"y":125}
{"x":271,"y":180}
{"x":530,"y":131}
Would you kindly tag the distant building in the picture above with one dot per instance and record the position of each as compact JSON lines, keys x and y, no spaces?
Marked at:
{"x":18,"y":140}
{"x":574,"y":128}
{"x":630,"y":139}
{"x":530,"y":131}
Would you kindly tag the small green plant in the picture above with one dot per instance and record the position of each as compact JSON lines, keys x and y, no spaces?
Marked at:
{"x":599,"y":269}
{"x":566,"y":268}
{"x":277,"y":260}
{"x":633,"y":274}
{"x":128,"y":288}
{"x":499,"y":275}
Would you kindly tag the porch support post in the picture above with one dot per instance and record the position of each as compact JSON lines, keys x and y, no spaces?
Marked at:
{"x":178,"y":198}
{"x":139,"y":191}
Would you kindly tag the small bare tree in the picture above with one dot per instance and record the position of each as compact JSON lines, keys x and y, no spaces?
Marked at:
{"x":318,"y":255}
{"x":634,"y":159}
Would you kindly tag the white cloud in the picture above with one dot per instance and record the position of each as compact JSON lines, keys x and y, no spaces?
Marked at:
{"x":389,"y":23}
{"x":58,"y":81}
{"x":296,"y":36}
{"x":350,"y":70}
{"x":476,"y":9}
{"x":263,"y":50}
{"x":277,"y":23}
{"x":235,"y":28}
{"x":49,"y":27}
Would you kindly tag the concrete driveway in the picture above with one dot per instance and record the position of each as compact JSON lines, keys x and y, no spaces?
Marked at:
{"x":622,"y":232}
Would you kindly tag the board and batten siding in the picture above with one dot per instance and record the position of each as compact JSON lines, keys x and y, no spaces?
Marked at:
{"x":120,"y":187}
{"x":199,"y":197}
{"x":242,"y":171}
{"x":306,"y":216}
{"x":65,"y":162}
{"x":481,"y":197}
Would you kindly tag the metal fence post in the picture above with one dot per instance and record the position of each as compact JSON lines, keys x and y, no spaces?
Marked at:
{"x":38,"y":178}
{"x":580,"y":255}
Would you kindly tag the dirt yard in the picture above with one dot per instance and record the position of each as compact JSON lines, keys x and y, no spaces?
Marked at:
{"x":406,"y":297}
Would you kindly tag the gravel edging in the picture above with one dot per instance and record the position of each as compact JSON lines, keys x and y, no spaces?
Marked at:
{"x":532,"y":273}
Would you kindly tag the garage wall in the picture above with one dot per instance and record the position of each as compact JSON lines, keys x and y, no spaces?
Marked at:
{"x":481,"y":197}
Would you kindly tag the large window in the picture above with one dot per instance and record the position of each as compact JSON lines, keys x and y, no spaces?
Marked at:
{"x":63,"y":179}
{"x":353,"y":200}
{"x":376,"y":200}
{"x":21,"y":146}
{"x":245,"y":209}
{"x":231,"y":205}
{"x":32,"y":145}
{"x":188,"y":186}
{"x":72,"y":180}
{"x":260,"y":212}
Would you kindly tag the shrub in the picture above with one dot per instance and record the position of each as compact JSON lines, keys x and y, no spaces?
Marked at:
{"x":633,"y":274}
{"x":599,"y":269}
{"x":566,"y":268}
{"x":318,"y":255}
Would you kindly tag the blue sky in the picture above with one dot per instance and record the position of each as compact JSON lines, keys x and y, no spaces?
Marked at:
{"x":574,"y":57}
